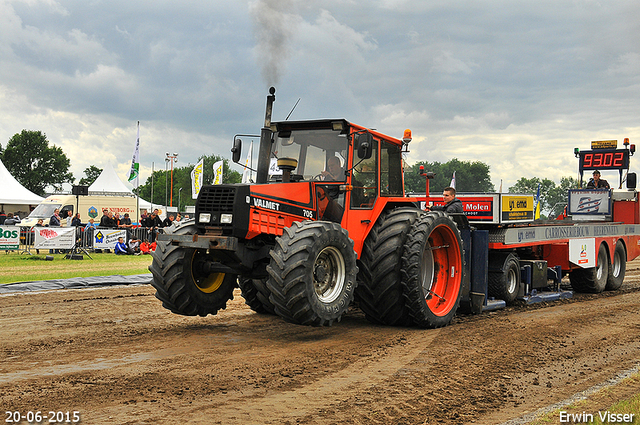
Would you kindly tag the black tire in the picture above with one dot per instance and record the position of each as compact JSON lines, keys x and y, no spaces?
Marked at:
{"x":618,"y":268}
{"x":256,"y":295}
{"x":504,"y":277}
{"x":432,"y":270}
{"x":312,"y":274}
{"x":380,"y":292}
{"x":593,"y":279}
{"x":180,"y":285}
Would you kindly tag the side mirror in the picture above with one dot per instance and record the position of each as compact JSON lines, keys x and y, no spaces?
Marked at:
{"x":631,"y":180}
{"x":364,"y":144}
{"x":236,"y":150}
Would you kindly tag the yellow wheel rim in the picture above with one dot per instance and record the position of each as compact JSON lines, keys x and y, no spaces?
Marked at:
{"x":210,"y":283}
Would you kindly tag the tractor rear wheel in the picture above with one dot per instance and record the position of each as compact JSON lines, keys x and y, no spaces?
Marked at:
{"x":312,"y":274}
{"x":592,"y":279}
{"x":432,"y":270}
{"x":256,"y":295}
{"x":380,"y":293}
{"x":618,"y":268}
{"x":182,"y":285}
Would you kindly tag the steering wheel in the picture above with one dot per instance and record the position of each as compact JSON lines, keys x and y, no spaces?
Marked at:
{"x":318,"y":178}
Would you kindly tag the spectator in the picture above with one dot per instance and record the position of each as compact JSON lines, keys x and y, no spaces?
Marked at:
{"x":11,"y":220}
{"x":69,"y":218}
{"x":153,"y":221}
{"x":116,"y":219}
{"x":147,"y":248}
{"x":90,"y":225}
{"x":134,"y":246}
{"x":76,"y":222}
{"x":125,"y":221}
{"x":3,"y":217}
{"x":40,"y":223}
{"x":107,"y":219}
{"x":168,"y":221}
{"x":54,"y":221}
{"x":121,"y":248}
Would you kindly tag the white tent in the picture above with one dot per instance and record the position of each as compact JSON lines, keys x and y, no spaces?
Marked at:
{"x":108,"y":183}
{"x":16,"y":198}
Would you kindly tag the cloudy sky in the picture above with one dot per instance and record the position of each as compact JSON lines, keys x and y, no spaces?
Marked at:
{"x":515,"y":84}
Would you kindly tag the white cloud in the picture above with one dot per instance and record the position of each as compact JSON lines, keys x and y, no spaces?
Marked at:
{"x":516,"y":85}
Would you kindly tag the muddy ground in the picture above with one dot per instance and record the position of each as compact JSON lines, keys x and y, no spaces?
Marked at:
{"x":116,"y":356}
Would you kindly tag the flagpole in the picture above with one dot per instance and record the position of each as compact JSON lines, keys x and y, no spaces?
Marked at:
{"x":138,"y":181}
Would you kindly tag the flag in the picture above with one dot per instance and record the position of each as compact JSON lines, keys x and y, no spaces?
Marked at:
{"x":246,"y":175}
{"x":453,"y":180}
{"x":196,"y":179}
{"x":217,"y":172}
{"x":135,"y":162}
{"x":537,"y":206}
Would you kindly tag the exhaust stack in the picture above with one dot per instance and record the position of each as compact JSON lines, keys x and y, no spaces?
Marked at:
{"x":264,"y":153}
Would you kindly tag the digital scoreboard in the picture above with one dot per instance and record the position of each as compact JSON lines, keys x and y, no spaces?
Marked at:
{"x":604,"y":159}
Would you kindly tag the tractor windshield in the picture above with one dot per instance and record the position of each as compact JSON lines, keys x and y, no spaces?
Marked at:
{"x":321,"y":154}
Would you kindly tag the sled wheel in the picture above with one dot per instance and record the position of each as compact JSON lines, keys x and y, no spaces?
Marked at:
{"x":256,"y":295}
{"x":593,"y":279}
{"x":380,"y":293}
{"x":312,"y":274}
{"x":432,"y":270}
{"x":618,"y":268}
{"x":181,"y":284}
{"x":504,"y":277}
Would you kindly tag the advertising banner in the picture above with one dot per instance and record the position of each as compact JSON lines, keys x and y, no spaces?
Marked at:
{"x":107,"y":238}
{"x":583,"y":252}
{"x":517,"y":208}
{"x":9,"y":237}
{"x":589,"y":202}
{"x":477,"y":207}
{"x":54,"y":237}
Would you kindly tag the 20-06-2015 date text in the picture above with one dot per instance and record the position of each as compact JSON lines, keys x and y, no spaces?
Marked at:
{"x":46,"y":417}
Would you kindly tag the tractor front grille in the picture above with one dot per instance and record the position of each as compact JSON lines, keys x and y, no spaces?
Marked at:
{"x":217,"y":199}
{"x":224,"y":199}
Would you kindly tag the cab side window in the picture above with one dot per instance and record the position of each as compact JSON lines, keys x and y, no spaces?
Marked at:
{"x":365,"y":180}
{"x":390,"y":170}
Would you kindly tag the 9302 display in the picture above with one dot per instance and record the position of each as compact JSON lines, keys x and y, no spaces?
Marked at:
{"x":604,"y":159}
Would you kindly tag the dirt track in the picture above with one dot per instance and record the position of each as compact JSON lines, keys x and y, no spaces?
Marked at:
{"x":116,"y":356}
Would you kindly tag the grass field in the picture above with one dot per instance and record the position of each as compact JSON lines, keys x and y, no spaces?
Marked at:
{"x":16,"y":267}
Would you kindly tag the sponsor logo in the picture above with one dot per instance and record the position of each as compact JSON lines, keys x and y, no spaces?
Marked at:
{"x":587,"y":205}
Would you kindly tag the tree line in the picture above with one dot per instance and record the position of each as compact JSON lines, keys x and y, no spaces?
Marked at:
{"x":37,"y":165}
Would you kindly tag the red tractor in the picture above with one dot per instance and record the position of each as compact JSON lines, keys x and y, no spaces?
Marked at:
{"x":326,"y":221}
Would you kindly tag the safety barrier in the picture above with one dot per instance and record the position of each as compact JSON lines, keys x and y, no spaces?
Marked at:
{"x":86,"y":239}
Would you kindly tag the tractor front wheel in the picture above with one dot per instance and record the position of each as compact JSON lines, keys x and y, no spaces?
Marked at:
{"x":182,"y":285}
{"x":312,"y":274}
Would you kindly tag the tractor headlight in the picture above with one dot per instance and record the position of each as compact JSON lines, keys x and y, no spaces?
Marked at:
{"x":204,"y":218}
{"x":226,"y":218}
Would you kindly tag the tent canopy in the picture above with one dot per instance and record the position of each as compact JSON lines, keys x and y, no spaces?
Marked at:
{"x":13,"y":193}
{"x":108,"y":183}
